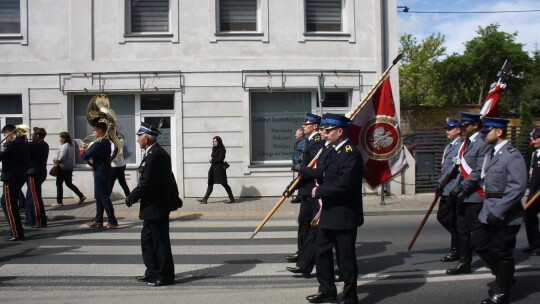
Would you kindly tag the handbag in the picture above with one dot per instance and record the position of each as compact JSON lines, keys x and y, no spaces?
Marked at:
{"x":54,"y":171}
{"x":226,"y":165}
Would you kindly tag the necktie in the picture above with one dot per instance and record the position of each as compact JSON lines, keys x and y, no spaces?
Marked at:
{"x":492,"y":152}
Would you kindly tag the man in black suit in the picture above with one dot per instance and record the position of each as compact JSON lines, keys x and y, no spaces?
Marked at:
{"x":342,"y":213}
{"x":158,"y":193}
{"x":14,"y":157}
{"x":37,"y":173}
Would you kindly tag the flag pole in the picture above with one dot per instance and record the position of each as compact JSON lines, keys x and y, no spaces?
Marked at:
{"x":291,"y":188}
{"x":532,"y":200}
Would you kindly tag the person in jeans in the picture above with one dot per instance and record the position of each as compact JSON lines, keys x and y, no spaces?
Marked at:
{"x":119,"y":169}
{"x":65,"y":161}
{"x":217,"y":173}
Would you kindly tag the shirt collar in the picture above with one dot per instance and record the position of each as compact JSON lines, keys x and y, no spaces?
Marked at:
{"x":474,"y":136}
{"x":454,"y":142}
{"x":148,"y":149}
{"x":499,"y":145}
{"x":341,"y":144}
{"x":312,"y":134}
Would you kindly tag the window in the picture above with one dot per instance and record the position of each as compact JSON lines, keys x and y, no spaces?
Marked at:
{"x":149,"y":16}
{"x":10,"y":110}
{"x":333,"y":100}
{"x":238,"y":20}
{"x":324,"y":16}
{"x":124,"y":108}
{"x":10,"y":17}
{"x":237,"y":15}
{"x":14,"y":21}
{"x":157,"y":102}
{"x":275,"y":117}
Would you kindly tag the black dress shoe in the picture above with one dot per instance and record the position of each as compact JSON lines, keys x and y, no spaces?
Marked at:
{"x":144,"y":279}
{"x":461,"y":268}
{"x":294,"y":269}
{"x":452,"y":256}
{"x":321,"y":298}
{"x":158,"y":282}
{"x":296,"y":200}
{"x":292,"y":258}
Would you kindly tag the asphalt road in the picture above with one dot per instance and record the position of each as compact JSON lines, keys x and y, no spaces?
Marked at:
{"x":216,"y":262}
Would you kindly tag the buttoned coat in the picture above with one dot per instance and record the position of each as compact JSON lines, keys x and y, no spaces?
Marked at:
{"x":14,"y":157}
{"x":157,"y":189}
{"x":474,"y":154}
{"x":341,"y":191}
{"x":39,"y":153}
{"x":505,"y":173}
{"x":449,"y":156}
{"x":313,"y":146}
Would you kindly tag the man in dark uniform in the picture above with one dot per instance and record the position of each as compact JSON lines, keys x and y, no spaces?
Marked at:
{"x":36,"y":175}
{"x":342,"y":214}
{"x":157,"y":191}
{"x":468,"y":191}
{"x":494,"y":234}
{"x":306,"y":257}
{"x":14,"y":156}
{"x":100,"y":153}
{"x":307,"y":203}
{"x":531,"y":214}
{"x":446,"y":214}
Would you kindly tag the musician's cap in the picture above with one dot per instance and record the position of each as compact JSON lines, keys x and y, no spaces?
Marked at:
{"x":535,"y":132}
{"x":493,"y":122}
{"x":336,"y":121}
{"x":312,"y":119}
{"x":452,"y":123}
{"x":468,"y":117}
{"x":148,"y":129}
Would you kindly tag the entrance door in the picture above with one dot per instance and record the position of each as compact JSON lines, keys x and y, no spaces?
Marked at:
{"x":165,"y":124}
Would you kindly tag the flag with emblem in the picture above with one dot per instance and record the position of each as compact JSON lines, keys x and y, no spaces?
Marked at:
{"x":375,"y":129}
{"x":489,"y":109}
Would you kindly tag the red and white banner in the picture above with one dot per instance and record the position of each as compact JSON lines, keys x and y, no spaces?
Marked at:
{"x":490,"y":106}
{"x":376,"y":131}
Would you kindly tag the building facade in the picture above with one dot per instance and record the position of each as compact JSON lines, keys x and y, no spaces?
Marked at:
{"x":245,"y":70}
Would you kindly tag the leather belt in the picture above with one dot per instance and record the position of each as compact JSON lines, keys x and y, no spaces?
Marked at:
{"x":494,"y":194}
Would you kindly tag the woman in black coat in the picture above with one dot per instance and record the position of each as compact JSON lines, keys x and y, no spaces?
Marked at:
{"x":217,"y":173}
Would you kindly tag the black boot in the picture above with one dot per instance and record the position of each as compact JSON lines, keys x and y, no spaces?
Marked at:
{"x":465,"y":258}
{"x":505,"y":278}
{"x":453,"y":254}
{"x":490,"y":260}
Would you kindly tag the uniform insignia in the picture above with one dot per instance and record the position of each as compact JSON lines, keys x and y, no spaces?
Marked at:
{"x":2,"y":149}
{"x":510,"y":149}
{"x":317,"y":138}
{"x":348,"y":148}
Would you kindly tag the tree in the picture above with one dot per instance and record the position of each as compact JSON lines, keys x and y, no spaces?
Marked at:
{"x":417,"y":68}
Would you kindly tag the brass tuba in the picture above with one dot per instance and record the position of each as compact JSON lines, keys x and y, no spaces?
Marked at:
{"x":20,"y":130}
{"x":99,"y":110}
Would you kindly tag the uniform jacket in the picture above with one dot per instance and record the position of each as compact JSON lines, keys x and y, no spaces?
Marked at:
{"x":157,"y":189}
{"x":341,"y":191}
{"x":314,"y":144}
{"x":505,"y":175}
{"x":449,"y":155}
{"x":217,"y":174}
{"x":14,"y":156}
{"x":100,"y":153}
{"x":534,"y":184}
{"x":474,"y":154}
{"x":39,"y":153}
{"x":322,"y":163}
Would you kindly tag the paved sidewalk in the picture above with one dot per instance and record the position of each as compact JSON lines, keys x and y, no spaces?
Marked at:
{"x":249,"y":207}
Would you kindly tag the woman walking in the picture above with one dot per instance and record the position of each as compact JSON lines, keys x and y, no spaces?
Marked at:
{"x":65,"y":161}
{"x":118,"y":168}
{"x":217,"y":173}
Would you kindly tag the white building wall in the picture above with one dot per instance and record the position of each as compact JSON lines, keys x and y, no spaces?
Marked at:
{"x":86,"y":36}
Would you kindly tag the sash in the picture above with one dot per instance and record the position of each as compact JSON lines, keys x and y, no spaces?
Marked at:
{"x":466,"y":170}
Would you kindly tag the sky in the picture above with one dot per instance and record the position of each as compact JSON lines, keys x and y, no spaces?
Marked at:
{"x":460,"y":28}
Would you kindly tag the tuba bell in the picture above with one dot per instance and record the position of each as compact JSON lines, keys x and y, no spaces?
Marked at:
{"x":20,"y":130}
{"x":99,"y":110}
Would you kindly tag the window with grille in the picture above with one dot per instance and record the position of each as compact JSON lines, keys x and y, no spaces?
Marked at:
{"x":238,"y":15}
{"x":149,"y":16}
{"x":324,"y":15}
{"x":10,"y":16}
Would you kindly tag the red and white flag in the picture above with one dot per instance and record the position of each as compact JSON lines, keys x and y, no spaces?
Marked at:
{"x":376,"y":131}
{"x":490,"y":106}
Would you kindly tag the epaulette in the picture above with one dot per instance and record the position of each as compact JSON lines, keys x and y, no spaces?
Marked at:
{"x":511,"y":149}
{"x":317,"y":137}
{"x":348,"y":148}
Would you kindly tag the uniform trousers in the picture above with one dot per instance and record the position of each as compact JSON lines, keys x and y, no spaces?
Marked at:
{"x":305,"y":215}
{"x":494,"y":243}
{"x":345,"y":243}
{"x":34,"y":208}
{"x":306,"y":255}
{"x":103,"y":200}
{"x":531,"y":224}
{"x":156,"y":249}
{"x":446,"y":214}
{"x":10,"y":205}
{"x":467,"y":215}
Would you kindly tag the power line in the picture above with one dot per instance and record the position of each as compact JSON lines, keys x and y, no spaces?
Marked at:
{"x":406,"y":9}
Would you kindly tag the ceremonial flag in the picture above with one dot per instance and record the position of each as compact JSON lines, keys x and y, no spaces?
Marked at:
{"x":490,"y":105}
{"x":375,"y":129}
